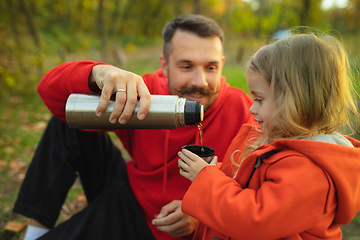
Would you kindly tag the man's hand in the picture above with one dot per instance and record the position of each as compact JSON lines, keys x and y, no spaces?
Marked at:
{"x":109,"y":79}
{"x":173,"y":221}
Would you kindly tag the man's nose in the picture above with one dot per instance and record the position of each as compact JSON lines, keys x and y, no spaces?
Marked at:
{"x":199,"y":80}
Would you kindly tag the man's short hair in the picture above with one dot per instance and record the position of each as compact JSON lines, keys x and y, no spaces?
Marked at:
{"x":197,"y":24}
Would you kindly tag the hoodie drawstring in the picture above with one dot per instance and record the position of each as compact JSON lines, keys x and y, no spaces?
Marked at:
{"x":166,"y":147}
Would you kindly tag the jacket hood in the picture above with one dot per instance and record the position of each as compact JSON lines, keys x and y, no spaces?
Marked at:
{"x":338,"y":156}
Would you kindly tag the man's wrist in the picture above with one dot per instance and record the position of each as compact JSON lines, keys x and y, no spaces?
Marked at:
{"x":92,"y":83}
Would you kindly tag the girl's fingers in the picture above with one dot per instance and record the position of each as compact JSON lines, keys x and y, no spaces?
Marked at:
{"x":191,"y":156}
{"x":183,"y":157}
{"x":182,"y":165}
{"x":184,"y":169}
{"x":214,"y":161}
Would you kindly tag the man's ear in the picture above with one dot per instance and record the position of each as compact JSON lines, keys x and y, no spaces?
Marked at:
{"x":164,"y":65}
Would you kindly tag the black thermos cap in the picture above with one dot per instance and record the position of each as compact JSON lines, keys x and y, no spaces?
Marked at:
{"x":192,"y":113}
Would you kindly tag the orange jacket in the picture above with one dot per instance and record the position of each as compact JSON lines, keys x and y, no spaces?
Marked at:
{"x":302,"y":191}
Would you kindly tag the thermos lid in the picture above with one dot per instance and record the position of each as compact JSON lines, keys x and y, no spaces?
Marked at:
{"x":194,"y":112}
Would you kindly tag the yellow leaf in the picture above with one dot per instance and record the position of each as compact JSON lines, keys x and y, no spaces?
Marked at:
{"x":10,"y":81}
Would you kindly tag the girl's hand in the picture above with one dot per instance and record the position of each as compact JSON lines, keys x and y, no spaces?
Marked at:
{"x":191,"y":164}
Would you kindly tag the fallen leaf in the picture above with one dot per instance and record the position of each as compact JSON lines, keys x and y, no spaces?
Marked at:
{"x":15,"y":226}
{"x":65,"y":216}
{"x":81,"y":198}
{"x":47,"y":116}
{"x":16,"y":141}
{"x":65,"y":209}
{"x":5,"y":116}
{"x":71,"y":206}
{"x":15,"y":100}
{"x":20,"y":178}
{"x":9,"y":150}
{"x":3,"y":163}
{"x":22,"y":114}
{"x":17,"y":166}
{"x":38,"y":126}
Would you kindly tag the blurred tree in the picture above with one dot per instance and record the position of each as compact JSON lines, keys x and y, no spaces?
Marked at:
{"x":347,"y":19}
{"x":270,"y":14}
{"x":30,"y":23}
{"x":197,"y":7}
{"x":239,"y":17}
{"x":114,"y":17}
{"x":16,"y":36}
{"x":32,"y":30}
{"x":102,"y":30}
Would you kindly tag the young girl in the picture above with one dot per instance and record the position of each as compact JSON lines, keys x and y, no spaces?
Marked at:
{"x":297,"y":178}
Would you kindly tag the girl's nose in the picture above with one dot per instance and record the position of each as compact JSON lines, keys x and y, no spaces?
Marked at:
{"x":253,"y":109}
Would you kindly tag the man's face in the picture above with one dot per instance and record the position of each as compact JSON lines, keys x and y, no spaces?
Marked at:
{"x":194,"y":67}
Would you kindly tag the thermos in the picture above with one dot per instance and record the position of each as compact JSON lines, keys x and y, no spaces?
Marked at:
{"x":166,"y":112}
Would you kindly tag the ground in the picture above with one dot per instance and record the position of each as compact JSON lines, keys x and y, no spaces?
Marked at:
{"x":22,"y":121}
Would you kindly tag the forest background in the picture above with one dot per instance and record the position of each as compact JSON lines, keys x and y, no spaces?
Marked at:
{"x":37,"y":35}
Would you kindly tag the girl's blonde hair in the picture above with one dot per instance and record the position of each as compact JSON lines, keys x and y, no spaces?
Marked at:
{"x":310,"y":82}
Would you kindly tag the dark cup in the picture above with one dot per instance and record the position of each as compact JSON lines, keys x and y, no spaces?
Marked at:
{"x":206,"y":153}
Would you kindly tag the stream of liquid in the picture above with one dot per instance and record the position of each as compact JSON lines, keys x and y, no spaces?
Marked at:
{"x":201,"y":131}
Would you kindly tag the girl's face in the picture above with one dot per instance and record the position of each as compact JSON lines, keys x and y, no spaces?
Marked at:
{"x":263,"y":105}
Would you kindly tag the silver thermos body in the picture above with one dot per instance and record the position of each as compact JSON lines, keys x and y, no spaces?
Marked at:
{"x":166,"y":112}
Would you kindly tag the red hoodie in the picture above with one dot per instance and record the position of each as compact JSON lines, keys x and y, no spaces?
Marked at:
{"x":153,"y":173}
{"x":302,"y":190}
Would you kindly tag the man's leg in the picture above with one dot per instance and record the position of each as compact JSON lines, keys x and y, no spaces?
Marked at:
{"x":50,"y":175}
{"x":62,"y":153}
{"x":114,"y":214}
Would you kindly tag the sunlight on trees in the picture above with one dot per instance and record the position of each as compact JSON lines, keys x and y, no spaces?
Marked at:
{"x":37,"y":34}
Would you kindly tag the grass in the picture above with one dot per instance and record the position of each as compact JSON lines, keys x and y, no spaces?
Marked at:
{"x":20,"y":121}
{"x":23,"y":119}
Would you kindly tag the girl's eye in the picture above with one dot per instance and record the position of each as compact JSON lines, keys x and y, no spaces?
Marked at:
{"x":258,"y":100}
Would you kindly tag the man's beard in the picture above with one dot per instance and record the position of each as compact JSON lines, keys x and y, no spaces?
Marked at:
{"x":205,"y":92}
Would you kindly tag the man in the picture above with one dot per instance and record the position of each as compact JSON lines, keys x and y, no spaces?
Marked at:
{"x":140,"y":199}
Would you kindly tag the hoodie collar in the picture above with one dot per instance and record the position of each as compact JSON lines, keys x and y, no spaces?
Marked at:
{"x":335,"y":138}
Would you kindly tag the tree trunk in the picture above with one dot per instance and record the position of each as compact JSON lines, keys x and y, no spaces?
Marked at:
{"x":151,"y":18}
{"x":30,"y":23}
{"x":15,"y":33}
{"x":304,"y":14}
{"x":197,"y":7}
{"x":114,"y":18}
{"x":102,"y":30}
{"x":31,"y":26}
